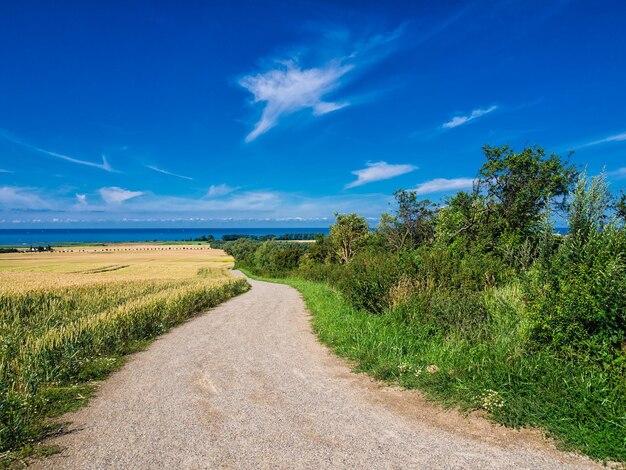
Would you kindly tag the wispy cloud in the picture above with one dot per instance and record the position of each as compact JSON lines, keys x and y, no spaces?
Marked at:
{"x":287,"y":86}
{"x":82,"y":199}
{"x":115,"y":195}
{"x":460,"y":120}
{"x":440,"y":185}
{"x":37,"y":206}
{"x":102,"y":166}
{"x":378,"y":171}
{"x":618,"y":174}
{"x":20,"y":198}
{"x":5,"y":171}
{"x":606,"y":140}
{"x":216,"y":190}
{"x":165,"y":172}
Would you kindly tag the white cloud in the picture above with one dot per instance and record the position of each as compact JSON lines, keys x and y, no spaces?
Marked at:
{"x":102,"y":166}
{"x":115,"y":195}
{"x":289,"y":88}
{"x":378,"y":171}
{"x":460,"y":120}
{"x":165,"y":172}
{"x":82,"y":199}
{"x":216,"y":190}
{"x":258,"y":206}
{"x":618,"y":174}
{"x":612,"y":138}
{"x":288,"y":85}
{"x":440,"y":185}
{"x":19,"y":198}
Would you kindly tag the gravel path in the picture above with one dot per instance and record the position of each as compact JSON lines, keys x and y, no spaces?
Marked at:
{"x":247,"y":385}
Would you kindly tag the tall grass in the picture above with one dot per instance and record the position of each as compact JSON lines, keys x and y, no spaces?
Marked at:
{"x":62,"y":332}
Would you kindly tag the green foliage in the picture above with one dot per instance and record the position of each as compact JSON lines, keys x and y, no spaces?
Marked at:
{"x":269,"y":258}
{"x":519,"y":186}
{"x":242,"y":249}
{"x":464,"y":221}
{"x":348,"y":235}
{"x":620,"y":208}
{"x":412,"y":225}
{"x":587,"y":210}
{"x":322,"y":251}
{"x":368,"y":279}
{"x":275,"y":258}
{"x":578,"y":296}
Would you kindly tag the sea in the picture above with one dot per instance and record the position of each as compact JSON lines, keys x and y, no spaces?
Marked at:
{"x":45,"y":236}
{"x":59,"y":236}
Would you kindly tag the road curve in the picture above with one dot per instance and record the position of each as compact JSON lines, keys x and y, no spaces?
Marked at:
{"x":247,"y":385}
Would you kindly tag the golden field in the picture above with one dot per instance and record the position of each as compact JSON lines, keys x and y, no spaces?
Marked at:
{"x":66,"y":313}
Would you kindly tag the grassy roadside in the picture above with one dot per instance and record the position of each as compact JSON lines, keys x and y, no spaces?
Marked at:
{"x":576,"y":406}
{"x":55,"y":400}
{"x":64,"y":330}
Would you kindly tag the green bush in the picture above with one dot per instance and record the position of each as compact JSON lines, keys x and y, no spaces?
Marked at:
{"x":276,"y":258}
{"x":437,"y":312}
{"x":577,"y":299}
{"x":368,"y":279}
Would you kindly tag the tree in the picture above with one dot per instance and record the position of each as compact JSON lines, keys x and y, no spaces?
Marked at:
{"x":464,"y":215}
{"x":620,"y":208}
{"x":590,"y":201}
{"x":322,"y":251}
{"x":520,"y":186}
{"x":347,"y":235}
{"x":412,"y":224}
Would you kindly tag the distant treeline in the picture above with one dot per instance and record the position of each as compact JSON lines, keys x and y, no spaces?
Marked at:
{"x":32,"y":248}
{"x":229,"y":237}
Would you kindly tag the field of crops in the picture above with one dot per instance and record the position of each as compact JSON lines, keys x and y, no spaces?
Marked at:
{"x":67,"y":318}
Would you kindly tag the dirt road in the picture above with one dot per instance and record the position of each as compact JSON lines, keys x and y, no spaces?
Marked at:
{"x":247,"y":385}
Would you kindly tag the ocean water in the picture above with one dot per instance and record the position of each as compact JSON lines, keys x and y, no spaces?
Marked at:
{"x":27,"y":237}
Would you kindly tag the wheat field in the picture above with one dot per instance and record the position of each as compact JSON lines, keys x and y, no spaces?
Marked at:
{"x":66,"y":312}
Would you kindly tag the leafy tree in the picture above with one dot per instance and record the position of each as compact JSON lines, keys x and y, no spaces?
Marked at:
{"x":412,"y":224}
{"x":242,"y":250}
{"x":322,"y":251}
{"x":348,"y":235}
{"x":519,"y":186}
{"x":620,"y":208}
{"x":464,"y":218}
{"x":590,"y":201}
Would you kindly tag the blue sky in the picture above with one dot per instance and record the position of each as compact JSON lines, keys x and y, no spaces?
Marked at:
{"x":276,"y":113}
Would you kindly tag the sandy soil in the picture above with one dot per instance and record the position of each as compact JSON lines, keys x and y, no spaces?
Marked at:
{"x":247,"y":385}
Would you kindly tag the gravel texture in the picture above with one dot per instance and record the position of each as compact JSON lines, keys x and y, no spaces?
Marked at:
{"x":247,"y":385}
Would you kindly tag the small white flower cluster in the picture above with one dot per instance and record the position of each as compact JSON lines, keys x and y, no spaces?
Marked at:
{"x":491,"y":401}
{"x":406,"y":367}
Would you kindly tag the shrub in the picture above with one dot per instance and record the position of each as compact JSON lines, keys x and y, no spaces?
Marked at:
{"x":368,"y":279}
{"x":577,"y":297}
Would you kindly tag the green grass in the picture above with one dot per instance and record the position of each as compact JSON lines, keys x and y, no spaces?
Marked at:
{"x":54,"y":401}
{"x":581,"y":406}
